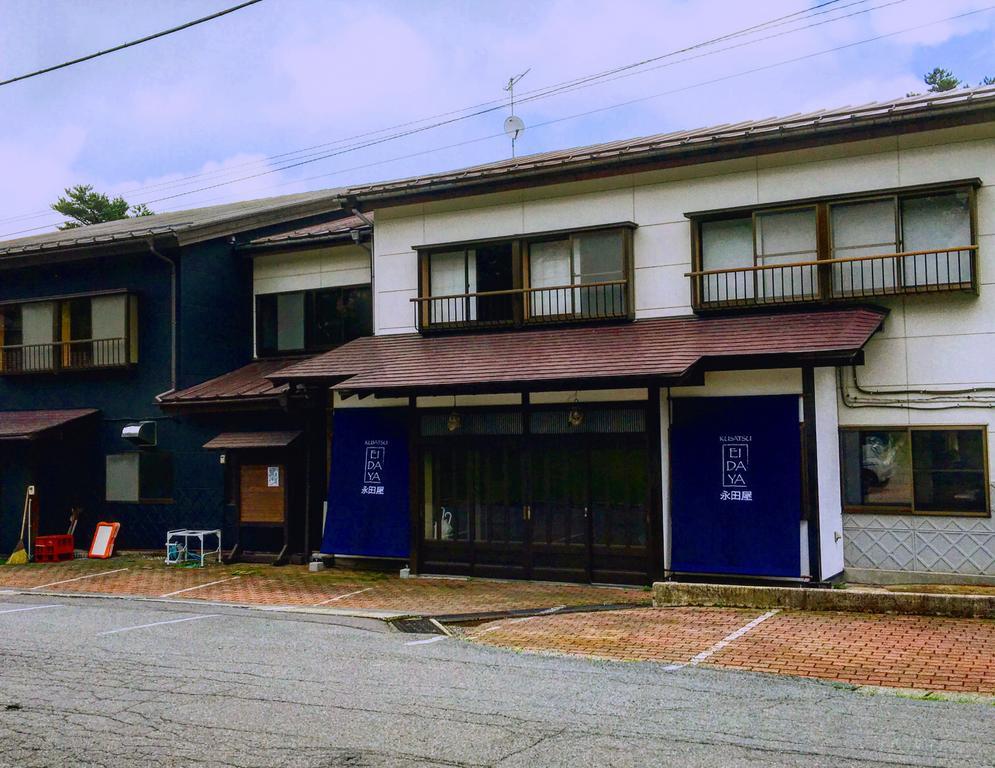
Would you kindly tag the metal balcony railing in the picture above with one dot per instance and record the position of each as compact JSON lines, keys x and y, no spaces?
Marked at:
{"x":856,"y":277}
{"x":607,"y":300}
{"x":76,"y":355}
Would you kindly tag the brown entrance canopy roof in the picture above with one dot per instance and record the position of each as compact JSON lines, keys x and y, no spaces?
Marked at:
{"x":231,"y":440}
{"x":29,"y":425}
{"x":671,"y":350}
{"x":244,"y":386}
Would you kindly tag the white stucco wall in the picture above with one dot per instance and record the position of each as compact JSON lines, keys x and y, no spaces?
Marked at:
{"x":941,"y":341}
{"x":328,"y":267}
{"x":304,"y":270}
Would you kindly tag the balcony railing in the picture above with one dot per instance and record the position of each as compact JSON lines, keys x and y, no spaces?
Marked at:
{"x":607,"y":300}
{"x":856,"y":277}
{"x":76,"y":355}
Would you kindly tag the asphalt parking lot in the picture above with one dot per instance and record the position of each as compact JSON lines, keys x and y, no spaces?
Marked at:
{"x":120,"y":682}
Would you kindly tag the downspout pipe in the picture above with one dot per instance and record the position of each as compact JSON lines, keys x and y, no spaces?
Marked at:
{"x":172,"y":316}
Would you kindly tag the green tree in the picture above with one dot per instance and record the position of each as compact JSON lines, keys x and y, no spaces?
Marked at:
{"x":83,"y":206}
{"x":940,"y":80}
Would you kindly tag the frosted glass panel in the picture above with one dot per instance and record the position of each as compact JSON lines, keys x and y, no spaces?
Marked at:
{"x":108,"y":316}
{"x":598,"y":258}
{"x":38,"y":329}
{"x":933,"y":223}
{"x":786,"y":233}
{"x":727,"y":244}
{"x":786,"y":237}
{"x":452,"y":274}
{"x":290,"y":321}
{"x":864,"y":229}
{"x":549,"y":265}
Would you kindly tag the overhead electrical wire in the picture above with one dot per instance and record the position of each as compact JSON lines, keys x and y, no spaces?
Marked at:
{"x":660,"y":94}
{"x":588,"y":112}
{"x":533,"y":94}
{"x":306,"y":160}
{"x":530,"y":95}
{"x":593,"y":111}
{"x":130,"y":44}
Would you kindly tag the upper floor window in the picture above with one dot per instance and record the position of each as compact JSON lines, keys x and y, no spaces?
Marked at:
{"x":72,"y":333}
{"x":556,"y":277}
{"x":463,"y":274}
{"x":312,"y":321}
{"x":902,"y":242}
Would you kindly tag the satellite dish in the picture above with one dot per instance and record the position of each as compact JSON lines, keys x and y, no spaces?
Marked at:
{"x":513,"y":126}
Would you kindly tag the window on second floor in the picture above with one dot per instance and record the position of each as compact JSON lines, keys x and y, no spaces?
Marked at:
{"x":312,"y":321}
{"x":911,"y":241}
{"x":555,"y":277}
{"x":76,"y":332}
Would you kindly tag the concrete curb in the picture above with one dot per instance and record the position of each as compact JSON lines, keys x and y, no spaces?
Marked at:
{"x":806,"y":599}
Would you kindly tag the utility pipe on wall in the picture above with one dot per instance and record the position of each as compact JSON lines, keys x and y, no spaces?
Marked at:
{"x":172,"y":315}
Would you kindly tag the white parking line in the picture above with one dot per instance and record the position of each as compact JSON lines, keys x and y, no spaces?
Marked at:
{"x":199,"y":586}
{"x":158,"y":624}
{"x":342,"y":597}
{"x":426,"y":642}
{"x":80,"y":578}
{"x":29,"y":608}
{"x":489,"y":629}
{"x":696,"y":660}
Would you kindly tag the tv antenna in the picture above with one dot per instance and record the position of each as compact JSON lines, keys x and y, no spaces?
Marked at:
{"x":513,"y":124}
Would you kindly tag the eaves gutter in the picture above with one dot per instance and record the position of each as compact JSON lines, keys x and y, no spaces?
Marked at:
{"x":177,"y":235}
{"x":138,"y":243}
{"x":697,"y":150}
{"x":339,"y":238}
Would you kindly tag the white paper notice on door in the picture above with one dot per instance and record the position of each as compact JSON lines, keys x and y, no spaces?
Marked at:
{"x":272,"y":477}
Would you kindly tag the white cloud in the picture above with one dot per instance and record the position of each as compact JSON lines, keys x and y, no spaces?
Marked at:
{"x":36,"y":170}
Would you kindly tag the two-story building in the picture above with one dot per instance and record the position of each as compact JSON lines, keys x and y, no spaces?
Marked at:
{"x":104,"y":327}
{"x":760,"y":350}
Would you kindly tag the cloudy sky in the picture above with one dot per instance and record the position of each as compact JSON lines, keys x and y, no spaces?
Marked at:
{"x":287,"y":95}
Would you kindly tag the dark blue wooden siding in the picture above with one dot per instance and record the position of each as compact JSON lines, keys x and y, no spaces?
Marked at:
{"x":215,"y":336}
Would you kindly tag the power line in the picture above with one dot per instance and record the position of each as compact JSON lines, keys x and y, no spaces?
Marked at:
{"x":712,"y":81}
{"x":307,"y":160}
{"x":139,"y":41}
{"x":607,"y":107}
{"x":490,"y":106}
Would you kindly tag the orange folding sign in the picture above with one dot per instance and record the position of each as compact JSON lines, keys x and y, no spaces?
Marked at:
{"x":103,"y":540}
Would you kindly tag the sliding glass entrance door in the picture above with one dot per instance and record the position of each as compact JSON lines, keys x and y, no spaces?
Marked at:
{"x":559,"y":523}
{"x":553,"y":505}
{"x":618,"y":495}
{"x":474,"y":514}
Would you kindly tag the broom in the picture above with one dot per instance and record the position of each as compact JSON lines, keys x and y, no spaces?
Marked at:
{"x":20,"y":555}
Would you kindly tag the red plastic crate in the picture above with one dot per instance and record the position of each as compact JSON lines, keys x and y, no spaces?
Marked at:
{"x":53,"y":549}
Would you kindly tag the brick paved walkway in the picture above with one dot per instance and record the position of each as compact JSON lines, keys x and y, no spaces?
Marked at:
{"x":923,"y":652}
{"x":295,"y":585}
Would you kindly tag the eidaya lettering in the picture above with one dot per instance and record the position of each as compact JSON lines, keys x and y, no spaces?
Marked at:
{"x":374,"y":462}
{"x":736,"y":464}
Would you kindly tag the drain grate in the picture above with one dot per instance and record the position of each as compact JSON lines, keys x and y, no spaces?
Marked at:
{"x":419,"y":626}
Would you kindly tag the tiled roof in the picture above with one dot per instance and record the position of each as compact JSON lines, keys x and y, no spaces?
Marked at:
{"x":243,"y":384}
{"x":28,"y":425}
{"x":187,"y":226}
{"x":340,"y":227}
{"x":691,"y":144}
{"x":230,"y":440}
{"x":651,"y":349}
